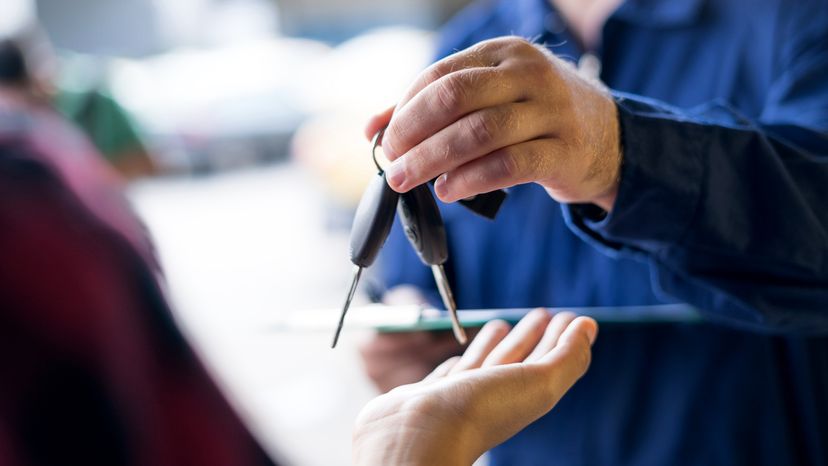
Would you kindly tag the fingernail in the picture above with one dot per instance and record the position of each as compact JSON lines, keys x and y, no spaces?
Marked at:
{"x":440,"y":186}
{"x":395,"y":174}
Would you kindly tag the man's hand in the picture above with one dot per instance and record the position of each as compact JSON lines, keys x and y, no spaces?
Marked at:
{"x":471,"y":403}
{"x":501,"y":113}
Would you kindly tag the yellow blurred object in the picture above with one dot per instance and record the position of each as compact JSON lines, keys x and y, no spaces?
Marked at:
{"x":356,"y":79}
{"x":335,"y":150}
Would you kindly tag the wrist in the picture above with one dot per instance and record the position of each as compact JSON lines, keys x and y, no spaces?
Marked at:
{"x":412,"y":435}
{"x":609,"y":155}
{"x":592,"y":143}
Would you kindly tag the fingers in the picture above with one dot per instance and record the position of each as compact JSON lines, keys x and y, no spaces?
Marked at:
{"x":472,"y":136}
{"x":506,"y":398}
{"x":445,"y":101}
{"x":579,"y":334}
{"x":469,"y":58}
{"x":496,"y":401}
{"x":499,"y":114}
{"x":443,"y":369}
{"x":570,"y":358}
{"x":521,"y":340}
{"x":378,"y":121}
{"x":486,"y":340}
{"x":468,"y":80}
{"x":534,"y":336}
{"x":503,"y":168}
{"x":556,"y":327}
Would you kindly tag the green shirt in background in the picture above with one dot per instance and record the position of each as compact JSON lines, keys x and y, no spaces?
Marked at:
{"x":104,"y":121}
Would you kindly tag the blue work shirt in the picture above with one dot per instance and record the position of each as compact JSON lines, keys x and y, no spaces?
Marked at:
{"x":723,"y":204}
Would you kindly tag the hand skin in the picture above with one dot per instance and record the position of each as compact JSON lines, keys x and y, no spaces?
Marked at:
{"x":501,"y":113}
{"x":471,"y":403}
{"x":394,"y":359}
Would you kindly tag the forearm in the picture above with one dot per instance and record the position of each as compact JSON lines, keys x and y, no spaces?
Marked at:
{"x":729,"y":212}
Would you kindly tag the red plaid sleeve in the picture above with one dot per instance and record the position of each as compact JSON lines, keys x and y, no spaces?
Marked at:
{"x":92,"y":367}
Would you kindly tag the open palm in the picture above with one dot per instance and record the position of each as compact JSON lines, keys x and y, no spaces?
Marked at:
{"x":471,"y":403}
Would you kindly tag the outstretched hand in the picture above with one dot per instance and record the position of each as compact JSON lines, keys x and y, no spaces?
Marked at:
{"x":471,"y":403}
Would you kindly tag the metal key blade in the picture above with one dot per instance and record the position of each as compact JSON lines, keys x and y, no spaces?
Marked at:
{"x":448,"y":300}
{"x":351,"y":292}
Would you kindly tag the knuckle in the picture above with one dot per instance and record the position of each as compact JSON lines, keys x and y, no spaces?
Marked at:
{"x":392,"y":140}
{"x":512,"y":43}
{"x":434,"y":72}
{"x":508,"y":165}
{"x":507,"y":119}
{"x":521,"y":46}
{"x":449,"y":93}
{"x":486,"y":47}
{"x":481,"y":128}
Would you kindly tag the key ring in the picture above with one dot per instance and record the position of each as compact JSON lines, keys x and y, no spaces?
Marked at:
{"x":376,"y":141}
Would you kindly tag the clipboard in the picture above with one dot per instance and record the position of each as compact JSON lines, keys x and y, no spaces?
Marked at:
{"x":391,"y":319}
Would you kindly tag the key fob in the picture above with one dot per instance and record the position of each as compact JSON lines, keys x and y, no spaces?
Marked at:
{"x":423,"y":225}
{"x":487,"y":204}
{"x":372,"y":221}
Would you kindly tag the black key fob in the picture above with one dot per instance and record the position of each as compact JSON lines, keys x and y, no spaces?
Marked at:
{"x":423,"y":225}
{"x":487,"y":204}
{"x":372,"y":221}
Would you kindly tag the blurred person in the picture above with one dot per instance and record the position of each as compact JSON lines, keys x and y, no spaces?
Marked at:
{"x":105,"y":122}
{"x":88,"y":104}
{"x":95,"y":371}
{"x":695,"y":170}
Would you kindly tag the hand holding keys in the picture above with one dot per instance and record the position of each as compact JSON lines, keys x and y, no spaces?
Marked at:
{"x":423,"y":226}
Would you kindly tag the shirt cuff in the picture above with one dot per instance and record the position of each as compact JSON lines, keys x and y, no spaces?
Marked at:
{"x":660,"y":185}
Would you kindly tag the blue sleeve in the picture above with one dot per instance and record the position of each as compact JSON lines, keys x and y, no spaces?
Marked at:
{"x":731,"y":213}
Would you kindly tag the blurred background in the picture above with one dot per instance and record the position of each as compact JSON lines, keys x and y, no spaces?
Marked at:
{"x":237,"y":126}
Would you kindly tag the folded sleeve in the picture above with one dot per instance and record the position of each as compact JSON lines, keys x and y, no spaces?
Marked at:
{"x":731,"y":212}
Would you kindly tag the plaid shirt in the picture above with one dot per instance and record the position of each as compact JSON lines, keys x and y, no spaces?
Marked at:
{"x":92,"y":367}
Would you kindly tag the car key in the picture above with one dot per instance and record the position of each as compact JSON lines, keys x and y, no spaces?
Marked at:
{"x":424,"y":228}
{"x":372,"y":223}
